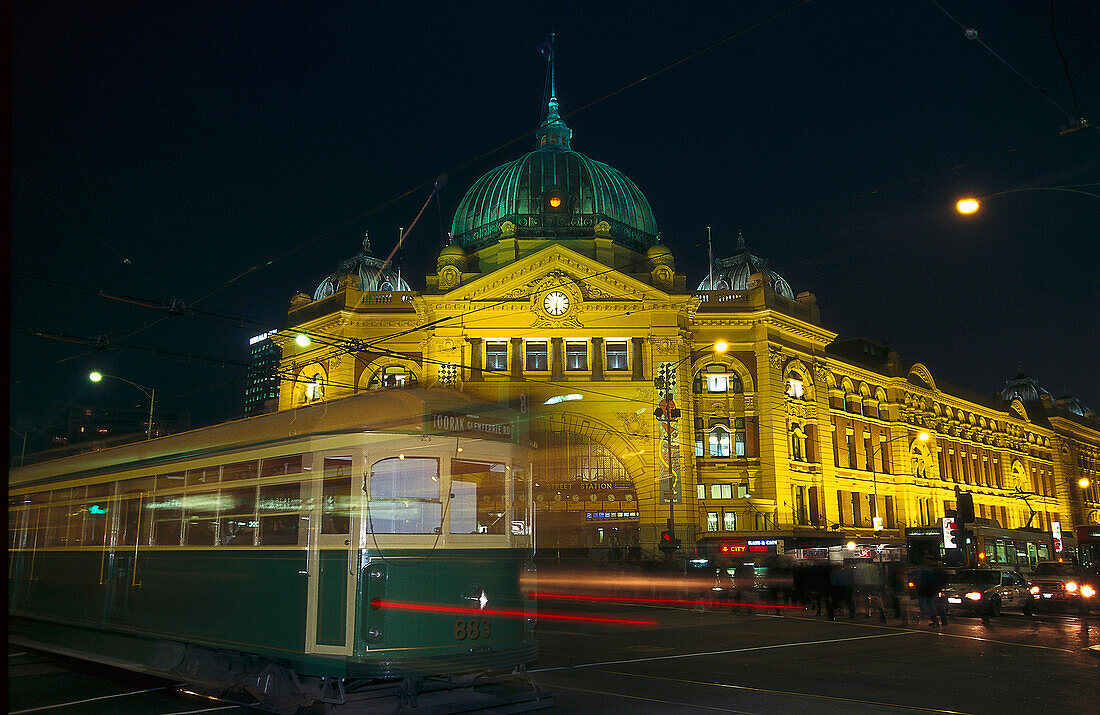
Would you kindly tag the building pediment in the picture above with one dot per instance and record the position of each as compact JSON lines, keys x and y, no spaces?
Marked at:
{"x":556,"y":266}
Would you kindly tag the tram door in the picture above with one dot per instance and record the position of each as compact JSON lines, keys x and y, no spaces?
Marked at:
{"x":333,"y":550}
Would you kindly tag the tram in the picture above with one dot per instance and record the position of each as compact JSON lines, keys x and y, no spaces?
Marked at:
{"x":296,"y":555}
{"x":1018,"y":549}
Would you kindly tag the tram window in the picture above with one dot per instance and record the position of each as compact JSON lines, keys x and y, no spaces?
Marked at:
{"x":237,"y":516}
{"x":290,"y":464}
{"x":404,"y":496}
{"x":56,"y":528}
{"x":241,"y":470}
{"x":477,"y":505}
{"x":336,"y":506}
{"x":167,"y":510}
{"x":200,"y":517}
{"x":207,"y":475}
{"x":279,"y":507}
{"x":77,"y":510}
{"x":520,"y":484}
{"x":133,"y":493}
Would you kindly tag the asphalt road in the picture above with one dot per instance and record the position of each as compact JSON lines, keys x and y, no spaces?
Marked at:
{"x":717,"y":661}
{"x":712,"y":661}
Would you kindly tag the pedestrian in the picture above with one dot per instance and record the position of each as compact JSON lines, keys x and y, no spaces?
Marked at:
{"x":928,"y":585}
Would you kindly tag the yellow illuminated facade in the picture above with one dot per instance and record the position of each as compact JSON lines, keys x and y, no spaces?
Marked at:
{"x":557,"y":297}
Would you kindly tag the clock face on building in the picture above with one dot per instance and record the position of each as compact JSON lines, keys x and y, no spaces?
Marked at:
{"x":556,"y":303}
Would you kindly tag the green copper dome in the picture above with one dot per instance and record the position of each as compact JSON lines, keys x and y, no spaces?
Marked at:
{"x":554,"y":192}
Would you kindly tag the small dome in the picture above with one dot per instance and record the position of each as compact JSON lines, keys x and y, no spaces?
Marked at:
{"x":660,"y":255}
{"x":362,"y":272}
{"x":733,"y":273}
{"x":1027,"y":389}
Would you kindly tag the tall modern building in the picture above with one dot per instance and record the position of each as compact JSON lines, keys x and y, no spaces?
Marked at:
{"x":261,"y":393}
{"x":721,"y":403}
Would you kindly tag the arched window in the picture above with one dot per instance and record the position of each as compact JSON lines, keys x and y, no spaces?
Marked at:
{"x":311,"y":387}
{"x":720,"y":441}
{"x":717,"y":379}
{"x":392,"y":376}
{"x":798,"y":443}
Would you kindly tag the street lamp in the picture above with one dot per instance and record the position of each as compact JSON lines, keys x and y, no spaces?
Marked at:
{"x":149,"y":392}
{"x":876,"y":520}
{"x":667,"y":412}
{"x":971,"y":204}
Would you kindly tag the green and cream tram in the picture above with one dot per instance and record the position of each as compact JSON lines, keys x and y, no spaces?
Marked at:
{"x":384,"y":535}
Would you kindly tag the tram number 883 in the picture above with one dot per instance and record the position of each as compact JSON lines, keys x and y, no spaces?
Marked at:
{"x":472,"y":629}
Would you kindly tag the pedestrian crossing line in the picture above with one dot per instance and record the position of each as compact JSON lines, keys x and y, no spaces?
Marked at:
{"x":786,"y":692}
{"x":677,"y":656}
{"x":910,"y":629}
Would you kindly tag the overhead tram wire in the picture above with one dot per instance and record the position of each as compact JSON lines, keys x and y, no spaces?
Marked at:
{"x":494,"y":150}
{"x":125,"y":260}
{"x":530,"y":133}
{"x":972,"y":34}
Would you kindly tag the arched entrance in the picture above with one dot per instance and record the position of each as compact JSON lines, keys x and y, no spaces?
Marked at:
{"x":585,"y":500}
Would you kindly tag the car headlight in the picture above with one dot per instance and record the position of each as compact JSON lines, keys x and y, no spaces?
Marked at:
{"x":1088,"y":591}
{"x":1035,"y":589}
{"x":1071,"y":586}
{"x":974,"y":596}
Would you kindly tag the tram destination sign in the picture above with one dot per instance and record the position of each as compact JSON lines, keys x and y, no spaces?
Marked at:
{"x":469,"y":425}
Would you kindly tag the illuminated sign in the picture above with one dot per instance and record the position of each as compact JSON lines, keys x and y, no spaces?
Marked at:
{"x":453,"y":422}
{"x":1056,"y":532}
{"x":948,"y":538}
{"x":734,"y":547}
{"x":262,"y":336}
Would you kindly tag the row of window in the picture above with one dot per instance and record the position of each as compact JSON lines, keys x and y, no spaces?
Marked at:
{"x":218,"y":506}
{"x":537,"y":355}
{"x":721,"y":491}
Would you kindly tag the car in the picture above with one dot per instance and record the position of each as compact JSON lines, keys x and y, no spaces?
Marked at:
{"x":1062,"y":586}
{"x":985,"y":591}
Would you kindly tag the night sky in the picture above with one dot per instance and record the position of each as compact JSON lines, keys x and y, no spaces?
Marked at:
{"x":162,"y":149}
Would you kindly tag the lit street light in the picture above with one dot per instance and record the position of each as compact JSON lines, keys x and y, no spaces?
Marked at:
{"x":971,"y":204}
{"x":149,"y":392}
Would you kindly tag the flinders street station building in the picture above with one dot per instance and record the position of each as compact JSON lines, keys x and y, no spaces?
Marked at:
{"x":724,"y":405}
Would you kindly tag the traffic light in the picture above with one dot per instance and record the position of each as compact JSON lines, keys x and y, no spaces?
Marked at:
{"x":965,"y":537}
{"x":668,"y":543}
{"x":965,"y":507}
{"x":956,"y":532}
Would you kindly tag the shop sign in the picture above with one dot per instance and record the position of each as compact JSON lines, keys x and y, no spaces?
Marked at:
{"x":1056,"y":532}
{"x":732,"y":548}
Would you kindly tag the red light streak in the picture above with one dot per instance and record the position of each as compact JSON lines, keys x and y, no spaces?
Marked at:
{"x":627,"y":599}
{"x":508,"y":614}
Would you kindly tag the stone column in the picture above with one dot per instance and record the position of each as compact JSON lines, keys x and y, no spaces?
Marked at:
{"x":597,"y":359}
{"x":517,"y":358}
{"x":639,"y":364}
{"x":556,"y":360}
{"x":475,"y":360}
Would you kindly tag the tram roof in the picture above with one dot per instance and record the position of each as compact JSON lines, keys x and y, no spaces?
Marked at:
{"x":416,"y":411}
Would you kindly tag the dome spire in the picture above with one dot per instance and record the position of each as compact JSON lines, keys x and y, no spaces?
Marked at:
{"x":553,"y":131}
